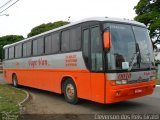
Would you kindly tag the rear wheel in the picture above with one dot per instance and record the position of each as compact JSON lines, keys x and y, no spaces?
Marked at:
{"x":70,"y":91}
{"x":14,"y":80}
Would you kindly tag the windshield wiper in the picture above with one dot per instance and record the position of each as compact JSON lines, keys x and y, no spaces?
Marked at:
{"x":133,"y":60}
{"x":136,"y":56}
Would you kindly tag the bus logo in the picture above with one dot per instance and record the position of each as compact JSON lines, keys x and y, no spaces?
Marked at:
{"x":37,"y":62}
{"x":125,"y":76}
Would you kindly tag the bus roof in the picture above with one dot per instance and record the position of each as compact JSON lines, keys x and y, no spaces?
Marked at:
{"x":101,"y":19}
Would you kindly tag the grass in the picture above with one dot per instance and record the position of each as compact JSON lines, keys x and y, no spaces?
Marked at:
{"x":9,"y":98}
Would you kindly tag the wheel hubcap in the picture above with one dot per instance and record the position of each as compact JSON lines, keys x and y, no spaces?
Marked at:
{"x":70,"y":91}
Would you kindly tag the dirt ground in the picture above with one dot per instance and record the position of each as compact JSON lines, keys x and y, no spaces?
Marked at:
{"x":44,"y":102}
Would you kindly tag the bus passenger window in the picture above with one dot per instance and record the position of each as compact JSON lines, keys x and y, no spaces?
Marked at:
{"x":65,"y":41}
{"x":28,"y":48}
{"x":35,"y":47}
{"x":55,"y":43}
{"x":11,"y":52}
{"x":24,"y":49}
{"x":18,"y":51}
{"x":48,"y":45}
{"x":40,"y":47}
{"x":6,"y":53}
{"x":75,"y":38}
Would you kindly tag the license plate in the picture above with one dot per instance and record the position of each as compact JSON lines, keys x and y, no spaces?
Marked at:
{"x":138,"y":91}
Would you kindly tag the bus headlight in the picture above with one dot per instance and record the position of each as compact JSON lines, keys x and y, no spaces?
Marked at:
{"x":121,"y":82}
{"x":124,"y":81}
{"x":152,"y":77}
{"x":118,"y":82}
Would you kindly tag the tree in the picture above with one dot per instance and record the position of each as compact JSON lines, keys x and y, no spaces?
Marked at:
{"x":46,"y":27}
{"x":9,"y":39}
{"x":148,"y":12}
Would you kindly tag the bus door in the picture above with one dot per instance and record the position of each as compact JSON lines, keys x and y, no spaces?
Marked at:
{"x":92,"y":52}
{"x":97,"y":74}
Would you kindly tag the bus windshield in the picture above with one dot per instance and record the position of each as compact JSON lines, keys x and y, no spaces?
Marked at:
{"x":131,"y":47}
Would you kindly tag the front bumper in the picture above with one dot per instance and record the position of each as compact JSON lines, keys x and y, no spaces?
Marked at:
{"x":128,"y":91}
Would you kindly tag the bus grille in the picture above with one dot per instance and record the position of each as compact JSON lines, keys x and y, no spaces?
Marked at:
{"x":137,"y":81}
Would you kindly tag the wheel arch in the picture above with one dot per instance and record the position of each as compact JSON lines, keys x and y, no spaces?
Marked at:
{"x":14,"y":81}
{"x":14,"y":74}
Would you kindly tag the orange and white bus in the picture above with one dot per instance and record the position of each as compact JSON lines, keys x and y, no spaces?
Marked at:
{"x":104,"y":60}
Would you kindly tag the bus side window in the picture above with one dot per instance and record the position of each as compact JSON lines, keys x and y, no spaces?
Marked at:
{"x":96,"y":50}
{"x":6,"y":53}
{"x":28,"y":48}
{"x":40,"y":46}
{"x":86,"y":46}
{"x":18,"y":51}
{"x":48,"y":44}
{"x":35,"y":46}
{"x":11,"y":52}
{"x":65,"y":41}
{"x":24,"y":49}
{"x":75,"y":38}
{"x":55,"y":43}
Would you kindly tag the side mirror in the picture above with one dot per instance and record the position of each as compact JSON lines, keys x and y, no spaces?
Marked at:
{"x":107,"y":40}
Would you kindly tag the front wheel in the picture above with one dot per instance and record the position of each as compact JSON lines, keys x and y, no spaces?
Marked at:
{"x":14,"y":80}
{"x":70,"y":91}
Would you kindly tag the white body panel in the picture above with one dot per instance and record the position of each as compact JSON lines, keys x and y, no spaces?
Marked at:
{"x":132,"y":77}
{"x":72,"y":60}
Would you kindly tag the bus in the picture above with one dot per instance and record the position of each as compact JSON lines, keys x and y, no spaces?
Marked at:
{"x":105,"y":60}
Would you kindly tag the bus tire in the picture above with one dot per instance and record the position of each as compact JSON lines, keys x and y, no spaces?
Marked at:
{"x":70,"y":91}
{"x":14,"y":81}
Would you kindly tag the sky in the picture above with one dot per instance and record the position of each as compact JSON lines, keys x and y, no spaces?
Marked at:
{"x":26,"y":14}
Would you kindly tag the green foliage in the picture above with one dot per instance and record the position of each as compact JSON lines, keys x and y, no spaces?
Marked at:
{"x":9,"y":39}
{"x":46,"y":27}
{"x":148,"y":12}
{"x":10,"y":98}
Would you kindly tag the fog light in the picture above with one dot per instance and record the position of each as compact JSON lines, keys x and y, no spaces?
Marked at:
{"x":118,"y":93}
